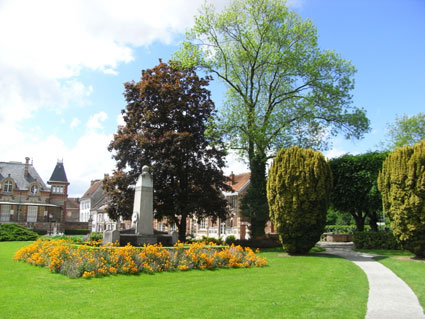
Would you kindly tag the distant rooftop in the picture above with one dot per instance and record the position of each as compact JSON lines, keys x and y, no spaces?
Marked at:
{"x":59,"y":174}
{"x":16,"y":171}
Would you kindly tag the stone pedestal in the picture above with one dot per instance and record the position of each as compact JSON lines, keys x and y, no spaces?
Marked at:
{"x":111,"y":236}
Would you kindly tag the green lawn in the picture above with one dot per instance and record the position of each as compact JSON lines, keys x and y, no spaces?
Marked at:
{"x":410,"y":270}
{"x":289,"y":287}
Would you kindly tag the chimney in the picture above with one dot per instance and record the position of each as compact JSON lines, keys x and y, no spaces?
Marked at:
{"x":27,"y":164}
{"x":94,"y":181}
{"x":232,"y":178}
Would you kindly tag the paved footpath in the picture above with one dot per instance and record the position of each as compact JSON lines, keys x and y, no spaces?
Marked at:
{"x":389,"y":296}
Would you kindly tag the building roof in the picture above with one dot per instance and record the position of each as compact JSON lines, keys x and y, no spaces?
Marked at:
{"x":239,"y":182}
{"x":16,"y":171}
{"x":92,"y":189}
{"x":58,"y":174}
{"x":73,"y":203}
{"x":101,"y":204}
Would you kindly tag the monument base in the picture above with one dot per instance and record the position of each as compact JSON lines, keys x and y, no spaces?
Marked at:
{"x":129,"y":236}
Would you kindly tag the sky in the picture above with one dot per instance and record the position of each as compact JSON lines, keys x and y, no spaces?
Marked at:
{"x":63,"y":65}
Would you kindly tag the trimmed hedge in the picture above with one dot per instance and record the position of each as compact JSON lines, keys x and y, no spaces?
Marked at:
{"x":40,"y":231}
{"x":77,"y":231}
{"x":340,"y":229}
{"x":375,"y":240}
{"x":267,"y":241}
{"x":13,"y":232}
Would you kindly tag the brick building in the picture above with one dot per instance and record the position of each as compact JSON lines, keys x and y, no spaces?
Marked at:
{"x":26,"y":200}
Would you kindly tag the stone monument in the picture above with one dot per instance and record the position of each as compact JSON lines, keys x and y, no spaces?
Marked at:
{"x":142,"y":218}
{"x":141,"y":231}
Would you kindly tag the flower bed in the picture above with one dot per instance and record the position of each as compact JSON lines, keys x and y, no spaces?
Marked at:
{"x":75,"y":261}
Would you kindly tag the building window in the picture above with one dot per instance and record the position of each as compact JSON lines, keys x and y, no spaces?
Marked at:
{"x":202,"y":224}
{"x":32,"y":214}
{"x":160,"y":226}
{"x":222,"y":228}
{"x":34,"y":189}
{"x":57,"y":189}
{"x":8,"y":186}
{"x":5,"y":213}
{"x":233,"y":202}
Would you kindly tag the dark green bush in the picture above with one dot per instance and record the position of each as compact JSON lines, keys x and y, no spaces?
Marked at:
{"x":375,"y":240}
{"x":95,"y":236}
{"x":40,"y":231}
{"x":230,"y":240}
{"x":77,"y":231}
{"x":13,"y":232}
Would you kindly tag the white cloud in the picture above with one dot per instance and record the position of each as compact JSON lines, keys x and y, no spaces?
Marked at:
{"x":94,"y":123}
{"x":44,"y":47}
{"x":120,"y":120}
{"x":234,"y":164}
{"x":334,"y":152}
{"x":75,"y":122}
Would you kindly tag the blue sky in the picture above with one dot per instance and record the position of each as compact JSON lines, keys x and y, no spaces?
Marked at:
{"x":63,"y":66}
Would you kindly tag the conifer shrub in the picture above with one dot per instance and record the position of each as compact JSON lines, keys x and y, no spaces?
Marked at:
{"x":402,"y":184}
{"x":13,"y":232}
{"x":298,"y":188}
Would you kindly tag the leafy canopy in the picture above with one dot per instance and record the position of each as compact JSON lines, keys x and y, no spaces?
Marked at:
{"x":407,"y":130}
{"x":165,"y":122}
{"x":282,"y":89}
{"x":355,"y":186}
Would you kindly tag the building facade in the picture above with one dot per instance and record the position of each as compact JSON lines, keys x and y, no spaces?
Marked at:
{"x":93,"y":206}
{"x":26,"y":200}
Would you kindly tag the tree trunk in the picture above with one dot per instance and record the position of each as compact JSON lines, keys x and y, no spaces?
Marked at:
{"x":359,"y":219}
{"x":254,"y":203}
{"x":182,"y":228}
{"x":373,"y":220}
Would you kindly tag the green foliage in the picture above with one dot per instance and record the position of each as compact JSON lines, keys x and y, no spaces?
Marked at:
{"x":230,"y":239}
{"x":282,"y":89}
{"x":76,"y":231}
{"x":375,"y":240}
{"x":335,"y":217}
{"x":340,"y":229}
{"x":402,"y":184}
{"x":13,"y":232}
{"x":166,"y":119}
{"x":95,"y":236}
{"x":406,"y":131}
{"x":355,"y":187}
{"x":298,"y":195}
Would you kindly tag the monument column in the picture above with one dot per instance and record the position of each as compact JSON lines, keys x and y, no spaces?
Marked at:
{"x":142,"y":220}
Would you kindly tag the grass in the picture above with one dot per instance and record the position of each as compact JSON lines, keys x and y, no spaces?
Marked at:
{"x":412,"y":271}
{"x":289,"y":287}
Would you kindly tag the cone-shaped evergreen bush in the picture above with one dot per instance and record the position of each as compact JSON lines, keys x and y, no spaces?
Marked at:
{"x":402,"y":184}
{"x":298,"y":188}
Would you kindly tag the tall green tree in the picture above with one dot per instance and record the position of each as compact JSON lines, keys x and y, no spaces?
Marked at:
{"x":406,"y":130}
{"x":402,"y":183}
{"x":165,"y":122}
{"x":355,"y":187}
{"x":282,"y":89}
{"x":298,"y":190}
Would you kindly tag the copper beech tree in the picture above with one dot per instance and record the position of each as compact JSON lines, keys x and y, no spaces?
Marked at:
{"x":166,"y":119}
